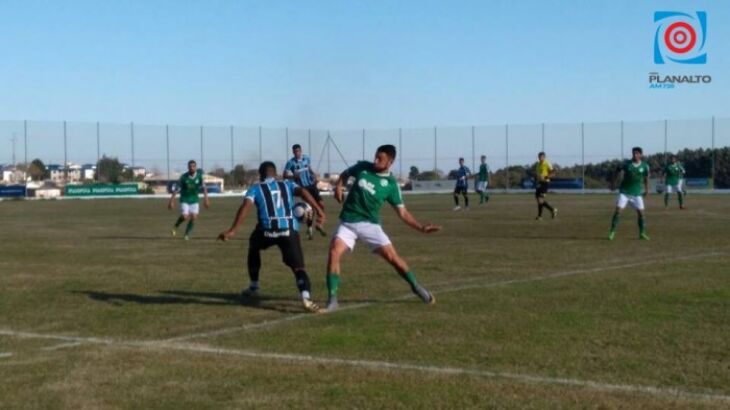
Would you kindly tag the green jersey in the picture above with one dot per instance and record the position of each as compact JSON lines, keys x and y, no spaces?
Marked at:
{"x":674,"y":172}
{"x":190,"y":186}
{"x":368,"y":194}
{"x":634,"y":174}
{"x":483,"y":172}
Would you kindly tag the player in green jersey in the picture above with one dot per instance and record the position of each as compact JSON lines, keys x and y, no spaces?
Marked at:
{"x":634,"y":187}
{"x":189,"y":184}
{"x":360,"y":220}
{"x":483,"y":181}
{"x":674,"y":181}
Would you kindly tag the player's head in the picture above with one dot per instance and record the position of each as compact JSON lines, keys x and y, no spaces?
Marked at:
{"x":637,"y":153}
{"x":484,"y":158}
{"x":461,"y":161}
{"x":541,"y":156}
{"x":267,"y":169}
{"x":673,"y":158}
{"x":296,"y":149}
{"x":384,"y":158}
{"x":192,"y":166}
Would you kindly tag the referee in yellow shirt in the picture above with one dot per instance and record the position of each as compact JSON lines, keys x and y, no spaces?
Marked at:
{"x":543,"y":173}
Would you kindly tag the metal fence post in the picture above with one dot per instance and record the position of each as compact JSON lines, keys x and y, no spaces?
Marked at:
{"x":400,"y":152}
{"x":363,"y":143}
{"x":286,"y":146}
{"x":233,"y":160}
{"x":473,"y":150}
{"x":309,"y":141}
{"x":435,"y":150}
{"x":622,"y":140}
{"x":202,"y":160}
{"x":714,"y":154}
{"x":167,"y":149}
{"x":131,"y":136}
{"x":98,"y":143}
{"x":506,"y":147}
{"x":65,"y":154}
{"x":583,"y":157}
{"x":666,"y":145}
{"x":329,"y":160}
{"x":261,"y":147}
{"x":25,"y":141}
{"x":542,"y":135}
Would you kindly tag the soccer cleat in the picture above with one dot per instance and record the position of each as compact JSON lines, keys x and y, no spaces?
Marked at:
{"x":538,"y":218}
{"x":555,"y":213}
{"x":187,"y":238}
{"x":611,"y":235}
{"x":457,"y":207}
{"x":174,"y":231}
{"x":426,"y":296}
{"x":332,"y":305}
{"x":250,"y":292}
{"x":643,"y":236}
{"x":682,"y":207}
{"x":310,"y":306}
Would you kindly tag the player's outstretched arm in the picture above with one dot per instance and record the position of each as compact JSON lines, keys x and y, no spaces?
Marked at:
{"x":646,"y":185}
{"x":171,"y":202}
{"x":409,"y":220}
{"x":308,"y":198}
{"x":340,"y":186}
{"x":243,"y":211}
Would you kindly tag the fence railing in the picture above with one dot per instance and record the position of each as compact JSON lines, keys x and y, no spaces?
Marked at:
{"x":165,"y":149}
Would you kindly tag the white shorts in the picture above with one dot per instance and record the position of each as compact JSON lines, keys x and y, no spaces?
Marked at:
{"x":637,"y":202}
{"x":482,"y":186}
{"x":674,"y":188}
{"x":371,"y":234}
{"x":189,"y":209}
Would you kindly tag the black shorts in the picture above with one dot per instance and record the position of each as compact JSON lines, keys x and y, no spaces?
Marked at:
{"x":290,"y":247}
{"x":542,"y":189}
{"x":312,"y":189}
{"x":461,"y":190}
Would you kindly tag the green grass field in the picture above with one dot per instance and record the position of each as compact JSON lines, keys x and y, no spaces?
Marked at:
{"x":101,"y":308}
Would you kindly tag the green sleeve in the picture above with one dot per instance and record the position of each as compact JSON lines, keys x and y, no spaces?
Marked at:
{"x":357,"y":168}
{"x":396,"y":197}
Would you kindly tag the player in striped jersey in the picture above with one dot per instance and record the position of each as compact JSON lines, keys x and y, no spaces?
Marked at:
{"x":299,"y":169}
{"x":274,"y":202}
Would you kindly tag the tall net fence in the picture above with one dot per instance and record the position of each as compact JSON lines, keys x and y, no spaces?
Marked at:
{"x":578,"y":150}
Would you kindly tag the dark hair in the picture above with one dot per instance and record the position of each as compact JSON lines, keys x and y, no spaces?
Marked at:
{"x":296,"y":146}
{"x":388,"y":149}
{"x":461,"y":159}
{"x":672,"y":156}
{"x":263,"y":169}
{"x":637,"y":149}
{"x":192,"y":161}
{"x":541,"y":154}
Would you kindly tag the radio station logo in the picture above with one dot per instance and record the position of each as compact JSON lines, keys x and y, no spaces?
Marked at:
{"x":680,"y":37}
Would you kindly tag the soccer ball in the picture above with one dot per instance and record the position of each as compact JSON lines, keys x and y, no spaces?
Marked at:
{"x":301,"y":210}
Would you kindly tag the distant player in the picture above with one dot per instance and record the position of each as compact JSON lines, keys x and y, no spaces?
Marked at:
{"x":360,"y":220}
{"x":483,"y":181}
{"x":674,"y":181}
{"x":299,"y":169}
{"x":635,"y":177}
{"x":274,"y":201}
{"x":189,"y":184}
{"x":462,"y":185}
{"x":543,"y":172}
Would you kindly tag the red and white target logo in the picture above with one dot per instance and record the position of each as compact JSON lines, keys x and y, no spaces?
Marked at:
{"x":680,"y":37}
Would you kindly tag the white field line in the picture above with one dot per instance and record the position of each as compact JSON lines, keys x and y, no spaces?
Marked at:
{"x":62,"y":346}
{"x":528,"y":379}
{"x":4,"y":355}
{"x":456,"y":286}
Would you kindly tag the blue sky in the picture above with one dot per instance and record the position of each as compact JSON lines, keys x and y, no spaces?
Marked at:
{"x":348,"y":64}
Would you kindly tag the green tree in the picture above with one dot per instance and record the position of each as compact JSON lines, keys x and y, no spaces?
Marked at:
{"x":413,"y":174}
{"x":110,"y":170}
{"x":37,"y":170}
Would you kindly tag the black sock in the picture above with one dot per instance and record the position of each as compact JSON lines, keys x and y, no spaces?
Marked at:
{"x":466,"y":201}
{"x":539,"y":209}
{"x":302,"y":281}
{"x":254,"y":265}
{"x":547,"y":205}
{"x":456,"y":200}
{"x":179,"y":222}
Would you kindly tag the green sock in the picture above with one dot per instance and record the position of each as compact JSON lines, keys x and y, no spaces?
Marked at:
{"x":411,"y":279}
{"x":614,"y":221}
{"x":481,"y":197}
{"x":641,"y":224}
{"x":179,"y":222}
{"x":680,"y":197}
{"x":333,"y":284}
{"x":189,"y":228}
{"x":486,"y":197}
{"x":666,"y":200}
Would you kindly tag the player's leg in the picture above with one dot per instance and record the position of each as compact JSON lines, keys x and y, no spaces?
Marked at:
{"x":545,"y":204}
{"x":638,"y":204}
{"x":456,"y":199}
{"x":256,"y":243}
{"x":293,"y":257}
{"x":621,"y":203}
{"x":390,"y":255}
{"x":540,"y":198}
{"x":465,"y":193}
{"x":184,"y":216}
{"x":667,"y":192}
{"x":194,"y":210}
{"x":343,"y":241}
{"x":317,"y":197}
{"x":680,"y":194}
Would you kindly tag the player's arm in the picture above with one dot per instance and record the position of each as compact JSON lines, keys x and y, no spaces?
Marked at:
{"x":206,"y":201}
{"x":308,"y":198}
{"x":243,"y":211}
{"x":614,"y":178}
{"x":411,"y":221}
{"x":171,"y":202}
{"x":646,"y":185}
{"x":340,"y":186}
{"x":289,"y":171}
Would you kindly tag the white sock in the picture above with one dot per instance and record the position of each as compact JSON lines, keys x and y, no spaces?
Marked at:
{"x":306,"y":295}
